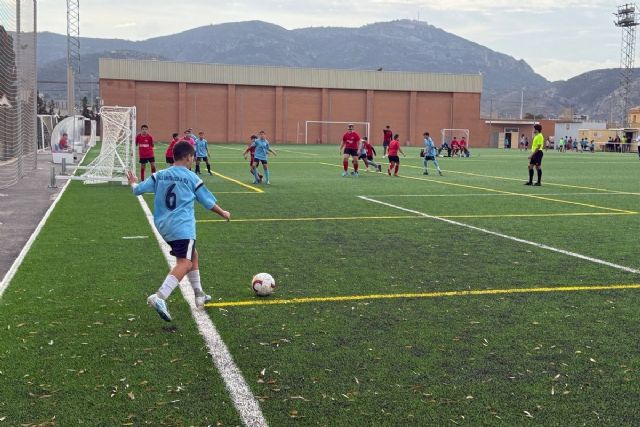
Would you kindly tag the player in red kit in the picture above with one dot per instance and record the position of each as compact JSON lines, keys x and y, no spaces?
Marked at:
{"x":366,"y":155}
{"x":387,"y":137}
{"x":169,"y":153}
{"x":251,"y":149}
{"x":349,"y":148}
{"x":394,"y":159}
{"x":144,"y":141}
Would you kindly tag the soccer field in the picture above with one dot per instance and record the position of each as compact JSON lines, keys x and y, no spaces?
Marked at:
{"x":466,"y":299}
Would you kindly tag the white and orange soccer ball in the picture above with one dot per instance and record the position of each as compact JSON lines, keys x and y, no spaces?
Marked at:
{"x":263,"y":284}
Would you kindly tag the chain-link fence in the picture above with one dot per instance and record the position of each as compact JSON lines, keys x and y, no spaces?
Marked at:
{"x":18,"y":93}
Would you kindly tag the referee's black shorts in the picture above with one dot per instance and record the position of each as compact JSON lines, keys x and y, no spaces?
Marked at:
{"x":536,"y":158}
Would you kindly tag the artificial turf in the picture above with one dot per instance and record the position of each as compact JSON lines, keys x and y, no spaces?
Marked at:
{"x":79,"y":346}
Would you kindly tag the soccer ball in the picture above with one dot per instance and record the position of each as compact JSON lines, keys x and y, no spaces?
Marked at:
{"x":263,"y":284}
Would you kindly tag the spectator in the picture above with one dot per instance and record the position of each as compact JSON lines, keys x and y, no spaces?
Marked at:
{"x":63,"y":144}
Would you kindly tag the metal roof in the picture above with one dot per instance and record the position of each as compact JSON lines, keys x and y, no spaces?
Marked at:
{"x":163,"y":71}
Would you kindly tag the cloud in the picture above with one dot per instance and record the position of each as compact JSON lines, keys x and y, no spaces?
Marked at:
{"x":563,"y":69}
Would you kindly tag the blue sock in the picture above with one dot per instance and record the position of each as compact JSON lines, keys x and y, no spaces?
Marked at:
{"x":266,"y":175}
{"x":254,"y":172}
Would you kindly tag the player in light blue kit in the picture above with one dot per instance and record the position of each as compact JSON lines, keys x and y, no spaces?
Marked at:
{"x":261,"y":155}
{"x":175,"y":190}
{"x":202,"y":153}
{"x":430,"y":154}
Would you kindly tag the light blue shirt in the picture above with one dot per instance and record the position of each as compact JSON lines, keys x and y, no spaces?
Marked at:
{"x":201,"y":148}
{"x":429,"y":147}
{"x":262,"y":149}
{"x":175,"y":190}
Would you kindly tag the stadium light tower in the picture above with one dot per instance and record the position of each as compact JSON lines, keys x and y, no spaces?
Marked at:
{"x":73,"y":52}
{"x":627,"y":19}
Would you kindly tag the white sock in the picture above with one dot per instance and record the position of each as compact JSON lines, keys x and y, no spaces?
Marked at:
{"x":169,"y":284}
{"x":194,"y":278}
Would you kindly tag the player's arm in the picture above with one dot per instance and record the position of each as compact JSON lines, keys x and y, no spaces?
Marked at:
{"x":271,"y":151}
{"x":400,"y":150}
{"x":208,"y":200}
{"x":373,"y":150}
{"x":342,"y":146}
{"x":146,"y":186}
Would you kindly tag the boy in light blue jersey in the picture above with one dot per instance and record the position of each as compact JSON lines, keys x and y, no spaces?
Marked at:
{"x":202,"y":153}
{"x":430,"y":154}
{"x":175,"y":190}
{"x":261,"y":155}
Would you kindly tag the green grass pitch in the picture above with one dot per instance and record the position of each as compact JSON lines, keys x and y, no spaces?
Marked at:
{"x":78,"y":345}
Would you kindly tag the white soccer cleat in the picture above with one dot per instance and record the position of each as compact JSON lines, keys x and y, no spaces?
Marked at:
{"x":202,"y":299}
{"x":160,"y":306}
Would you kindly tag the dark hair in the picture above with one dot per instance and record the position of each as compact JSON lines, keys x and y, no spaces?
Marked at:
{"x":396,"y":136}
{"x":364,"y":138}
{"x":182,"y":150}
{"x":144,"y":127}
{"x":538,"y":127}
{"x":426,"y":134}
{"x":175,"y":135}
{"x":253,"y":137}
{"x":388,"y":126}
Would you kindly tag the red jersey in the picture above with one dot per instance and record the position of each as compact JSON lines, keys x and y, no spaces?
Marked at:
{"x":351,"y":140}
{"x":394,"y":147}
{"x":388,"y":135}
{"x":462,"y":143}
{"x":145,"y":146}
{"x":169,"y":152}
{"x":370,"y":150}
{"x":189,"y":139}
{"x":63,"y":144}
{"x":454,"y":144}
{"x":252,"y":151}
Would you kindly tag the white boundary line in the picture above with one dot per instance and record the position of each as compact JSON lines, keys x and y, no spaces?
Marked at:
{"x":6,"y":280}
{"x":505,"y":236}
{"x":497,"y":195}
{"x":244,"y":401}
{"x":27,"y":247}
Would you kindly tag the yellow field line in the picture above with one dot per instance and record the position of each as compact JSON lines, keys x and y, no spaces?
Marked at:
{"x":605,"y":190}
{"x":257,"y":190}
{"x":256,"y":301}
{"x":355,"y":218}
{"x":532,"y":196}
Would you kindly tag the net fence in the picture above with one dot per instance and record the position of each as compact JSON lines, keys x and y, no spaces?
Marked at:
{"x":18,"y":93}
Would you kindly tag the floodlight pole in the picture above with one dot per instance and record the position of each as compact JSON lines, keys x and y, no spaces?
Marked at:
{"x":73,"y":52}
{"x":627,"y":19}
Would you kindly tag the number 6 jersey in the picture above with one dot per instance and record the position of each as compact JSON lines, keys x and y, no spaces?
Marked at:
{"x":175,"y":190}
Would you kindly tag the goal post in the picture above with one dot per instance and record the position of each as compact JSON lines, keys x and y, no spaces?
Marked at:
{"x":330,"y":132}
{"x":118,"y":150}
{"x":449,"y":134}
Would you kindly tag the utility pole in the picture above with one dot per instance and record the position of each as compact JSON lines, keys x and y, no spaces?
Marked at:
{"x":521,"y":102}
{"x":627,"y":19}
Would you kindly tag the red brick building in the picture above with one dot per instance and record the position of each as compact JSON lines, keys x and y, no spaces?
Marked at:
{"x":229,"y":102}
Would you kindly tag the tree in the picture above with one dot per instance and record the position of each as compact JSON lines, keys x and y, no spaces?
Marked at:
{"x":42,"y":105}
{"x":51,"y":107}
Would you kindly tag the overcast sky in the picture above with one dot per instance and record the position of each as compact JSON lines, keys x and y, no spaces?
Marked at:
{"x":558,"y":38}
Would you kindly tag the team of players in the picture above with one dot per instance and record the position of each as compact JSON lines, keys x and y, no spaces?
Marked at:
{"x":177,"y":188}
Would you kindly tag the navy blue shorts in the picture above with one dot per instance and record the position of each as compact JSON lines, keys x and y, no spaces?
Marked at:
{"x":206,"y":159}
{"x":183,"y":248}
{"x":258,"y":161}
{"x":536,"y":158}
{"x":147,"y":160}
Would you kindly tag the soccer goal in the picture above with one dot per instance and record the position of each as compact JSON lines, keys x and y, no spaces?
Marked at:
{"x":117,"y":153}
{"x":330,"y":132}
{"x":449,"y":134}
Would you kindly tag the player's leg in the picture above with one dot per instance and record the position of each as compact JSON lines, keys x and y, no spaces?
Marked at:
{"x":143,"y":166}
{"x":530,"y":182}
{"x":397,"y":167}
{"x":345,"y":164}
{"x":265,"y":167}
{"x":206,"y":160}
{"x":153,"y":166}
{"x":391,"y":166}
{"x":198,"y":165}
{"x":194,"y":279}
{"x":254,"y":171}
{"x":425,"y":162}
{"x":539,"y":168}
{"x":435,"y":162}
{"x":356,"y":164}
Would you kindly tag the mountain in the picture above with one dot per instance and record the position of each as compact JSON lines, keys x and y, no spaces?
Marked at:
{"x":402,"y":45}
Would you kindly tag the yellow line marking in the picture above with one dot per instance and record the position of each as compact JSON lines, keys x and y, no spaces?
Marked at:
{"x":532,"y":196}
{"x":356,"y":218}
{"x":546,"y":183}
{"x":257,"y":190}
{"x":235,"y":192}
{"x":422,"y":295}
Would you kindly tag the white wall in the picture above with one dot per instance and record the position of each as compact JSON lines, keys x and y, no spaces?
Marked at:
{"x":571,"y":129}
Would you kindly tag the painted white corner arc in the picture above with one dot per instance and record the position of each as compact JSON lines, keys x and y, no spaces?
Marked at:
{"x":505,"y":236}
{"x":244,"y":401}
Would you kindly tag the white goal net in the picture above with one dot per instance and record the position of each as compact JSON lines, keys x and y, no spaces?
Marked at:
{"x":329,"y":132}
{"x":449,"y":134}
{"x":117,"y":153}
